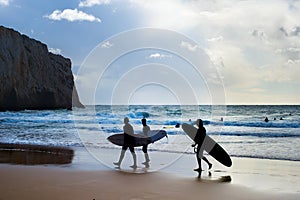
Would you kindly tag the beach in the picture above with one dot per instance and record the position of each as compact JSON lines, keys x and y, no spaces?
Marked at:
{"x":90,"y":178}
{"x":66,"y":155}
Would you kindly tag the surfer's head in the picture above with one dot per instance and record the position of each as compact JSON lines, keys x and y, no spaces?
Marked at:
{"x":126,"y":120}
{"x":199,"y":122}
{"x":144,"y":121}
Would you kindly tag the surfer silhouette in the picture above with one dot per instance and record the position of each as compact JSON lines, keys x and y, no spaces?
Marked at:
{"x":199,"y":139}
{"x":266,"y":119}
{"x":128,"y":143}
{"x":146,"y":129}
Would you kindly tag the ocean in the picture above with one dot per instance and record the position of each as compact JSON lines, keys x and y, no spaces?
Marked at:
{"x":239,"y":129}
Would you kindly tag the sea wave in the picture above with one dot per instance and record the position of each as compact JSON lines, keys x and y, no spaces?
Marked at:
{"x":279,"y":124}
{"x":243,"y":131}
{"x":260,"y":134}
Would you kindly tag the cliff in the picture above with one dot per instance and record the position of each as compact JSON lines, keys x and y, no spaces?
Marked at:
{"x":31,"y":77}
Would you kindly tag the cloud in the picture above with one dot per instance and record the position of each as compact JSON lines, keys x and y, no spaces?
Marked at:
{"x":282,"y":29}
{"x":189,"y":46}
{"x":259,"y":90}
{"x":5,"y":2}
{"x":259,"y":34}
{"x":159,"y":55}
{"x":296,"y":31}
{"x":72,"y":15}
{"x":215,"y":39}
{"x":167,"y":13}
{"x":290,"y":49}
{"x":55,"y":51}
{"x":107,"y":44}
{"x":254,"y":44}
{"x":90,"y":3}
{"x":293,"y":62}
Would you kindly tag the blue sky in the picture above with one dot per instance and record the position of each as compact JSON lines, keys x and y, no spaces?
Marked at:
{"x":254,"y":46}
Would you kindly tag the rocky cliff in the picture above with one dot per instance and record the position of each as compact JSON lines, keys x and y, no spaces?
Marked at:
{"x":31,"y":77}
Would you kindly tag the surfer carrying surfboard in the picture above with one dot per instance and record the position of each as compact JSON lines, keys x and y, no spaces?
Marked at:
{"x":199,"y":138}
{"x":128,"y":143}
{"x":146,"y":129}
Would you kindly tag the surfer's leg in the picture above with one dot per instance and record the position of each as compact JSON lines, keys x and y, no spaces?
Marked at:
{"x":134,"y":157}
{"x":199,"y":164}
{"x":144,"y":148}
{"x":147,"y":160}
{"x":209,"y":164}
{"x":198,"y":159}
{"x":121,"y":157}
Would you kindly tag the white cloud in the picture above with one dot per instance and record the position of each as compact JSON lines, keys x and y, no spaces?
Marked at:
{"x":72,"y":15}
{"x":159,"y":55}
{"x":215,"y":39}
{"x":296,"y":31}
{"x":189,"y":46}
{"x":4,"y":2}
{"x":167,"y":13}
{"x":90,"y":3}
{"x":254,"y":44}
{"x":292,"y":62}
{"x":290,"y":49}
{"x":107,"y":44}
{"x":55,"y":51}
{"x":261,"y":35}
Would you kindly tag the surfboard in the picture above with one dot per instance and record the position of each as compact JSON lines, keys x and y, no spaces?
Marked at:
{"x":209,"y":145}
{"x":139,"y":140}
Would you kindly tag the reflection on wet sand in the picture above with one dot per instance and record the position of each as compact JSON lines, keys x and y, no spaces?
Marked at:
{"x":27,"y":154}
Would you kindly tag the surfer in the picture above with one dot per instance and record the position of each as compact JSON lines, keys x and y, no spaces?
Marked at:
{"x":146,"y":129}
{"x":266,"y":119}
{"x":199,"y":138}
{"x":128,"y":143}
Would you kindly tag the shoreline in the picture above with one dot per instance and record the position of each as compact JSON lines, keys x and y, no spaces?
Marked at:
{"x":91,"y":175}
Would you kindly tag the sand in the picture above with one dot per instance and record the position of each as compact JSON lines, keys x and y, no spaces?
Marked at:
{"x":86,"y":179}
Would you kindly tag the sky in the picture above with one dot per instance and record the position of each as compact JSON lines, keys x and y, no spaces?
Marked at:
{"x":171,"y":51}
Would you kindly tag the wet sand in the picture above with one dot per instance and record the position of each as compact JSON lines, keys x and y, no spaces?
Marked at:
{"x":27,"y":154}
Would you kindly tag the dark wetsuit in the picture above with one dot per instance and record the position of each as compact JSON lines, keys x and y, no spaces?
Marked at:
{"x":200,"y":135}
{"x":199,"y":138}
{"x":146,"y":129}
{"x":128,"y":138}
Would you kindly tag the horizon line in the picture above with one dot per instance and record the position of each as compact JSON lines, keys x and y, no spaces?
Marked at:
{"x":298,"y":104}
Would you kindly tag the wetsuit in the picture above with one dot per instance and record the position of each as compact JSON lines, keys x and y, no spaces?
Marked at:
{"x":128,"y":138}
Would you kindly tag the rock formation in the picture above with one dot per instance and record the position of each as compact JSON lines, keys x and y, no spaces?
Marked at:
{"x":31,"y":77}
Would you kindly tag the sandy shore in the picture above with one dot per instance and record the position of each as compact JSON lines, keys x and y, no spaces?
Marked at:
{"x":85,"y":178}
{"x":23,"y":182}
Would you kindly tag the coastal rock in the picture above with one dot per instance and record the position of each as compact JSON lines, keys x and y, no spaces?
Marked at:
{"x":31,"y":77}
